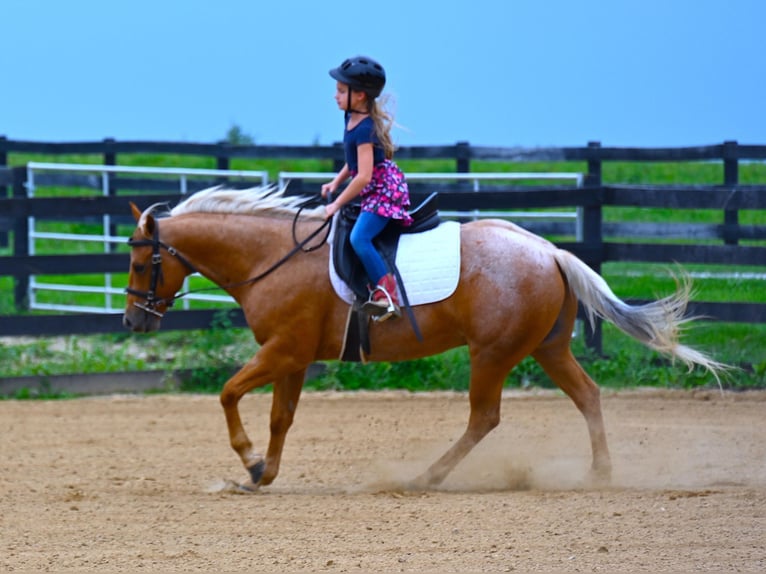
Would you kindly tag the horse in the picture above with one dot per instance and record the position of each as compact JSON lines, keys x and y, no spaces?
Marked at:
{"x":517,"y":296}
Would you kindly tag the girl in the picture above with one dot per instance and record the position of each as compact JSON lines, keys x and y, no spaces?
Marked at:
{"x":374,"y":176}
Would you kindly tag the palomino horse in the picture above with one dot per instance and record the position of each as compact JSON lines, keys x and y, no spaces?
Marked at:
{"x":517,"y":296}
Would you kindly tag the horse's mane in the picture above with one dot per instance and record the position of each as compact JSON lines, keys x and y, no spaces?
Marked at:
{"x":265,"y":199}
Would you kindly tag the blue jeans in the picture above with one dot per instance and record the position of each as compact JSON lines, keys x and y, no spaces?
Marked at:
{"x":368,"y":227}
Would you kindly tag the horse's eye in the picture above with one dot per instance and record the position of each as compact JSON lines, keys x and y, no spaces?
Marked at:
{"x":139,"y":268}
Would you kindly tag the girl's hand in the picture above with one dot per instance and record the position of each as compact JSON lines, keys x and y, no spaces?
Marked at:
{"x":330,"y":209}
{"x":328,"y":188}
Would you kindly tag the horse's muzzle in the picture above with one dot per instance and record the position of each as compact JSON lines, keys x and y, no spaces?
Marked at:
{"x":140,"y":322}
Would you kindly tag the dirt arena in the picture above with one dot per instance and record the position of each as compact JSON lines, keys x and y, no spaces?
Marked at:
{"x":129,"y":483}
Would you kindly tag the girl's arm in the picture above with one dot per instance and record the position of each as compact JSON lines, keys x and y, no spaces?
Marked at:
{"x":358,"y":183}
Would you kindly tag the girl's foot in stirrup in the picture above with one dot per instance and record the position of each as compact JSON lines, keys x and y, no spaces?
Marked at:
{"x":380,"y":308}
{"x":375,"y":308}
{"x":383,"y":303}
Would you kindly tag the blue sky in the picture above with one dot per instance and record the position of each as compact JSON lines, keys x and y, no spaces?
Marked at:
{"x":491,"y":72}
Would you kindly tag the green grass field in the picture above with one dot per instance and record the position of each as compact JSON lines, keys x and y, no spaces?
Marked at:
{"x":215,"y":352}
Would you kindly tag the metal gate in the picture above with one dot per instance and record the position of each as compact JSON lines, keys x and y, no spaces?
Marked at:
{"x":40,"y":292}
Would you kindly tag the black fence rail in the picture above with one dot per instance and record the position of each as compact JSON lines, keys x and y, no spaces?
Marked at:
{"x":730,"y":152}
{"x":598,"y":241}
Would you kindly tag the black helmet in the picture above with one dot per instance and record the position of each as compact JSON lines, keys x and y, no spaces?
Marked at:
{"x":362,"y":74}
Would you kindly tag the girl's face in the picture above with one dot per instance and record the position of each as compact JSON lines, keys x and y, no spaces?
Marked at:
{"x":341,"y":97}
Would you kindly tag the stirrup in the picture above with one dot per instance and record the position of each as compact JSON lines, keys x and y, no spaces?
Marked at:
{"x":391,"y":312}
{"x":381,"y":309}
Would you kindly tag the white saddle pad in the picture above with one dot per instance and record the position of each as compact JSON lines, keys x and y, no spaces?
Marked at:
{"x":428,"y":262}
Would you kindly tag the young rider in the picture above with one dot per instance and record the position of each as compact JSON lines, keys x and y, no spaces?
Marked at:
{"x":374,"y":175}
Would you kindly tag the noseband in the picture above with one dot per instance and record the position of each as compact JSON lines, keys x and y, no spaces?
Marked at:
{"x":150,"y":296}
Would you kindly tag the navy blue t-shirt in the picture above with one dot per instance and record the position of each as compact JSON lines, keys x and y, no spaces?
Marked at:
{"x":362,"y":133}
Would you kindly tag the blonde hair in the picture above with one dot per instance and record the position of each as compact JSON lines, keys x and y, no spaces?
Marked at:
{"x":383,"y":120}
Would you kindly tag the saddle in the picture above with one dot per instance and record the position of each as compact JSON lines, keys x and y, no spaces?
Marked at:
{"x":349,"y":267}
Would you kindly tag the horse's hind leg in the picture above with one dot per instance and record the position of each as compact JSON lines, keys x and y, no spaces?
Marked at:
{"x":484,"y":395}
{"x":561,"y":366}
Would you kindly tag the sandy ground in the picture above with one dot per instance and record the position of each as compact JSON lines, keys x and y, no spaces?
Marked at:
{"x":128,"y":483}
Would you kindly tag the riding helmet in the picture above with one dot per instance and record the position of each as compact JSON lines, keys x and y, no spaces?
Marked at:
{"x":362,"y":74}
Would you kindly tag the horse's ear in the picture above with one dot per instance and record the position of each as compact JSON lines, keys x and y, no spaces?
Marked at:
{"x":145,"y":221}
{"x":136,"y":211}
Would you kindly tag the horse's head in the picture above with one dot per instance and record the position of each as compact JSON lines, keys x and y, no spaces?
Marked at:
{"x":157,"y":272}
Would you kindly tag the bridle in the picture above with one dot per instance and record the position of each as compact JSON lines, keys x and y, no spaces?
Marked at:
{"x":156,"y":278}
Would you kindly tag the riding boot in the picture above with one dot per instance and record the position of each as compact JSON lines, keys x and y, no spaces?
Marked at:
{"x":384,"y":301}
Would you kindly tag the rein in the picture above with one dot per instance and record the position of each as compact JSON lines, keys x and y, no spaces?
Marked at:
{"x":156,"y":277}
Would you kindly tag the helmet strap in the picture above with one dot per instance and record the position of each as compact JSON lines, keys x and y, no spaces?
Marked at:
{"x":351,"y":110}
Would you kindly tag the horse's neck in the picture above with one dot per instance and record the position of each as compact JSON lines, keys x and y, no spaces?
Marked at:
{"x":228,"y":248}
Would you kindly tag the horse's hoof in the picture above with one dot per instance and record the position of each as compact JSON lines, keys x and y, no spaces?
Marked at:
{"x":418,"y":483}
{"x":256,"y":471}
{"x":600,"y":477}
{"x":233,"y":487}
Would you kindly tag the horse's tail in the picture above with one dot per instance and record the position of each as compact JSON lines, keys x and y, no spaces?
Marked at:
{"x":657,"y":324}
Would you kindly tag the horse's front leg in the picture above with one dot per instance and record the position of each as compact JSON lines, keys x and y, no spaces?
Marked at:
{"x":266,"y":366}
{"x":284,"y":401}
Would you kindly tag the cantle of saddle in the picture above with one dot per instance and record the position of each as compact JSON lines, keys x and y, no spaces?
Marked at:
{"x":348,"y":266}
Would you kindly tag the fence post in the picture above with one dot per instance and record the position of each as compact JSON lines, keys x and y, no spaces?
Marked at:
{"x":730,"y":178}
{"x":222,"y":161}
{"x":339,"y":157}
{"x":3,"y":154}
{"x":4,"y":189}
{"x":21,"y":240}
{"x":110,"y":158}
{"x":463,"y":157}
{"x":592,"y":236}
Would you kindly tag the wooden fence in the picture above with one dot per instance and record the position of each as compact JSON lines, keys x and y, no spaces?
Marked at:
{"x":729,"y":243}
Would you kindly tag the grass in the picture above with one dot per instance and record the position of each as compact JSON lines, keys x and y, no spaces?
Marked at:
{"x":214,"y":353}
